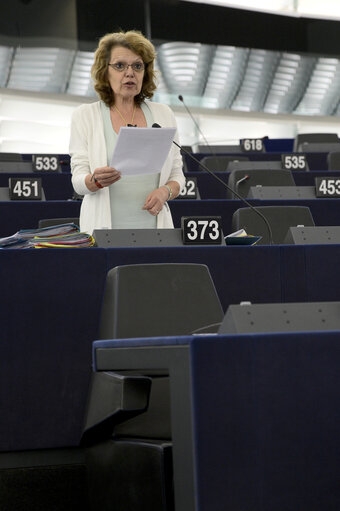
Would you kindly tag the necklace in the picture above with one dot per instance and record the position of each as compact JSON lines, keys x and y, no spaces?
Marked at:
{"x":132,"y":118}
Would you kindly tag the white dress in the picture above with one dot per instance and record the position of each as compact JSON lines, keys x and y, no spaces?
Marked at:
{"x":128,"y":195}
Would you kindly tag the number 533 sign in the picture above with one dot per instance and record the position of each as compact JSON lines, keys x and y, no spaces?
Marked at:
{"x":45,"y":163}
{"x":202,"y":230}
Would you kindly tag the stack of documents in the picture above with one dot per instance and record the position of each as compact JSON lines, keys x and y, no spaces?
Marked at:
{"x":76,"y":240}
{"x":46,"y":232}
{"x":14,"y":242}
{"x":60,"y":236}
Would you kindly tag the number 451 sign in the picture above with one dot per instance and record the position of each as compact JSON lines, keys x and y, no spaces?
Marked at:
{"x":25,"y":188}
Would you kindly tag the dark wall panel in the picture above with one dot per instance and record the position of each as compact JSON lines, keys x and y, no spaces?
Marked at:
{"x":98,"y":17}
{"x":210,"y":24}
{"x":88,"y":20}
{"x":323,"y":36}
{"x":176,"y":20}
{"x":38,"y":19}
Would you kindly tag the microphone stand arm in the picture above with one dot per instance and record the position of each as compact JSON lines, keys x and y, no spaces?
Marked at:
{"x":230,"y":189}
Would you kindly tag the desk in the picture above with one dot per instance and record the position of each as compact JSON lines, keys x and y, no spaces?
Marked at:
{"x":50,"y":305}
{"x":254,"y":418}
{"x":210,"y":188}
{"x":316,"y":161}
{"x":16,"y":215}
{"x":59,"y":186}
{"x":324,"y":211}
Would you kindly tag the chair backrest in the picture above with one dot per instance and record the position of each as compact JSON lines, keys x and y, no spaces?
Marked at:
{"x":269,"y":177}
{"x":333,"y":160}
{"x":319,"y":147}
{"x":221,"y":163}
{"x":48,"y":222}
{"x":280,"y":219}
{"x":254,"y":165}
{"x":217,"y":149}
{"x":10,"y":157}
{"x":187,"y":148}
{"x":313,"y":138}
{"x":145,"y":300}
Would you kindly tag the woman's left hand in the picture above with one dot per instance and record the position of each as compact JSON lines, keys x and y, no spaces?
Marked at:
{"x":155,"y":200}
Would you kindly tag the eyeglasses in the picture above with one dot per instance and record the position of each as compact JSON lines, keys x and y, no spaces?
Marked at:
{"x":122,"y":66}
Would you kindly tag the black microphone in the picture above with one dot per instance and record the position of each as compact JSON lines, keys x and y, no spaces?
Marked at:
{"x":155,"y":125}
{"x":180,"y":97}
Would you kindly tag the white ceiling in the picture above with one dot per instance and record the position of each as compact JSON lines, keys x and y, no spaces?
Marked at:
{"x":325,"y":9}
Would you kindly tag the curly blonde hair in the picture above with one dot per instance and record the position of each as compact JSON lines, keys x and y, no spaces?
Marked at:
{"x":135,"y":42}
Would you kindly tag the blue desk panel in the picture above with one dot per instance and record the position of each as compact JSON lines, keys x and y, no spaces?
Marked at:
{"x":16,"y":215}
{"x":57,"y":186}
{"x":49,"y":311}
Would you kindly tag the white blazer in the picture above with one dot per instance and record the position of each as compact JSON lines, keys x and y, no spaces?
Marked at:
{"x":88,"y":152}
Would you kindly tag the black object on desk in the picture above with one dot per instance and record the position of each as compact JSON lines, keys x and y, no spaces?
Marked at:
{"x":281,"y":317}
{"x":281,"y":192}
{"x":313,"y":235}
{"x":109,"y":238}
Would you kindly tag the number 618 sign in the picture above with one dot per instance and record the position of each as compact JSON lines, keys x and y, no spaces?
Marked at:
{"x":202,"y":230}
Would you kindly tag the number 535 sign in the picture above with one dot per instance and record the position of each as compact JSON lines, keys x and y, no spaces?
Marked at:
{"x":202,"y":230}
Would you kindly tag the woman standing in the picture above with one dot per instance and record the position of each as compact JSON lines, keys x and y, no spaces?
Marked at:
{"x":124,"y":78}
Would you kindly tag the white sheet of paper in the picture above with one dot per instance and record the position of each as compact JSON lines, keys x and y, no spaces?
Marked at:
{"x":142,"y":150}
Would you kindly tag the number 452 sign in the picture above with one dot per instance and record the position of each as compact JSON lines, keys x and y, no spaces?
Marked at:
{"x":202,"y":230}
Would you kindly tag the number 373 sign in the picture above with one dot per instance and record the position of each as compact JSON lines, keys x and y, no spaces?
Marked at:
{"x":202,"y":230}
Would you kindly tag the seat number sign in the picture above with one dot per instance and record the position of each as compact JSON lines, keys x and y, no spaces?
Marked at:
{"x":190,"y":189}
{"x":45,"y":163}
{"x":25,"y":188}
{"x":252,"y":145}
{"x":294,"y":161}
{"x":202,"y":230}
{"x":327,"y":187}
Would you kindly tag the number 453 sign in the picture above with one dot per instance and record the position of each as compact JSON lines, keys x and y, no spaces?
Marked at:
{"x":202,"y":230}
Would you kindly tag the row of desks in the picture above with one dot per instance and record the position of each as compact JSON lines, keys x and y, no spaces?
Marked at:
{"x":50,"y":306}
{"x":18,"y":215}
{"x":59,"y":186}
